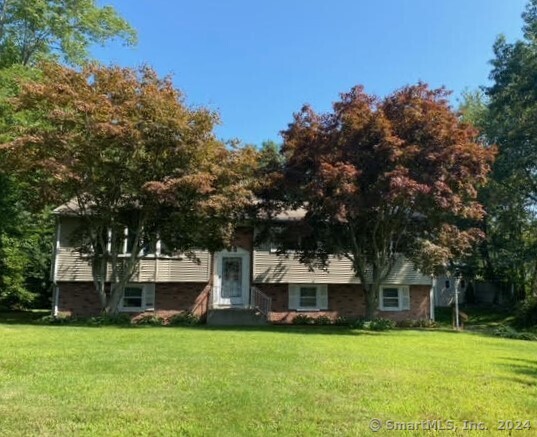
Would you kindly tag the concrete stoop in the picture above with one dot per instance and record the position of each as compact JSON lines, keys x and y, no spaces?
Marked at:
{"x":235,"y":317}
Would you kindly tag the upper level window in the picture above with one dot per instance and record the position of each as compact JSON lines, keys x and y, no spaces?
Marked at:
{"x":128,"y":241}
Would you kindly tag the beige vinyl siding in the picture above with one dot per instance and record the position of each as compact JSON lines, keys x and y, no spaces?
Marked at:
{"x":72,"y":266}
{"x":169,"y":269}
{"x":274,"y":268}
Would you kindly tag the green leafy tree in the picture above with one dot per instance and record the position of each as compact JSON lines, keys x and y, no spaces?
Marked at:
{"x":505,"y":113}
{"x":31,"y":30}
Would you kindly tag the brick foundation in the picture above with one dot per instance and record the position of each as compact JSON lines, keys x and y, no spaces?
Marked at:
{"x":81,"y":299}
{"x":345,"y":300}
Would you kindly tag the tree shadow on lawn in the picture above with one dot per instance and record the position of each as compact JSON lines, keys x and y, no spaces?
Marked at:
{"x":294,"y":329}
{"x":22,"y":317}
{"x":34,"y":318}
{"x":526,"y":370}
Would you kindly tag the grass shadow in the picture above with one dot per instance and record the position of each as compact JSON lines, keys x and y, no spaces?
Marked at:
{"x":22,"y":317}
{"x":294,"y":329}
{"x":525,"y":370}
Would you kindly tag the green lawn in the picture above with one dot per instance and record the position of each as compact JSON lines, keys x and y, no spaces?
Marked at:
{"x":63,"y":380}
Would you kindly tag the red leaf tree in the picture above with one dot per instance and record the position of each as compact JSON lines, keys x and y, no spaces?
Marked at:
{"x":130,"y":154}
{"x":384,"y":178}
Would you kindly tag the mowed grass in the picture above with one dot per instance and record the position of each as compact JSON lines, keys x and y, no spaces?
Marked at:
{"x":65,"y":380}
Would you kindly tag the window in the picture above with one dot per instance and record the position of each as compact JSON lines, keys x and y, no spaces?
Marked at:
{"x":133,"y":297}
{"x":394,"y":298}
{"x":308,"y":297}
{"x":138,"y":297}
{"x":127,"y":241}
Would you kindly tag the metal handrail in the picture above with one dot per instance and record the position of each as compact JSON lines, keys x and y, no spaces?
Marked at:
{"x":260,"y":301}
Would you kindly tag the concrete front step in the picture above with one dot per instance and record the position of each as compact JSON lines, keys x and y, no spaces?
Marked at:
{"x":235,"y":317}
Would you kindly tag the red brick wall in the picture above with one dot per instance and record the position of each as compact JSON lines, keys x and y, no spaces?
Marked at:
{"x":345,"y":300}
{"x":81,"y":299}
{"x":171,"y":298}
{"x":420,"y":307}
{"x":78,"y":298}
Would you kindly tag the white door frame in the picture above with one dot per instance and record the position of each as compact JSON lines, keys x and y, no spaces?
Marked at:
{"x":243,"y":300}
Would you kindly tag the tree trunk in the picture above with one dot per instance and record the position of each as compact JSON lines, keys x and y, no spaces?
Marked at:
{"x":371,"y":300}
{"x":112,"y":306}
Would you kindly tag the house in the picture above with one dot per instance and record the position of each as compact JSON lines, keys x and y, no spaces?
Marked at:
{"x":247,"y":277}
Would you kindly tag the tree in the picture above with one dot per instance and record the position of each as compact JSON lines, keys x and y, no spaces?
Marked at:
{"x":122,"y":144}
{"x":510,"y":122}
{"x":31,"y":30}
{"x":508,"y":252}
{"x":380,"y":179}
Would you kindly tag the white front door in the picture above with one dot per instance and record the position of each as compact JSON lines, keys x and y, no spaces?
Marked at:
{"x":232,"y":278}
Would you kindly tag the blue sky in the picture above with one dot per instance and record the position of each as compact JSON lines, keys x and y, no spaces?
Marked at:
{"x":257,"y":62}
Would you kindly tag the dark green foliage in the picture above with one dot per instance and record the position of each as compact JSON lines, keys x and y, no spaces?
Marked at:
{"x":322,"y":320}
{"x":526,"y":315}
{"x":509,"y":332}
{"x":419,"y":323}
{"x":25,"y":249}
{"x":108,"y":320}
{"x":303,"y":319}
{"x":149,"y":320}
{"x":344,"y":321}
{"x":183,"y":319}
{"x":379,"y":325}
{"x":505,"y":114}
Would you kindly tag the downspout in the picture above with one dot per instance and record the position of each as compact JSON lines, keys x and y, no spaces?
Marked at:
{"x":54,"y":270}
{"x":432,"y":297}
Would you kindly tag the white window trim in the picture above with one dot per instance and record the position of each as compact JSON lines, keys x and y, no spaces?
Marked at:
{"x":124,"y":248}
{"x":400,"y":291}
{"x":145,"y":292}
{"x":319,"y":289}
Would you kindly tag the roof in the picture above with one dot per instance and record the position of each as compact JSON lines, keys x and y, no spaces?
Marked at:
{"x":68,"y":208}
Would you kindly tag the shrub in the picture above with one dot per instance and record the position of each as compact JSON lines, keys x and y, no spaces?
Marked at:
{"x":108,"y":320}
{"x":509,"y":332}
{"x":419,"y":323}
{"x":427,"y":323}
{"x":379,"y":325}
{"x":303,"y":319}
{"x":357,"y":324}
{"x":342,"y":321}
{"x":526,"y":315}
{"x":148,"y":319}
{"x":322,"y":320}
{"x":183,"y":319}
{"x":407,"y":323}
